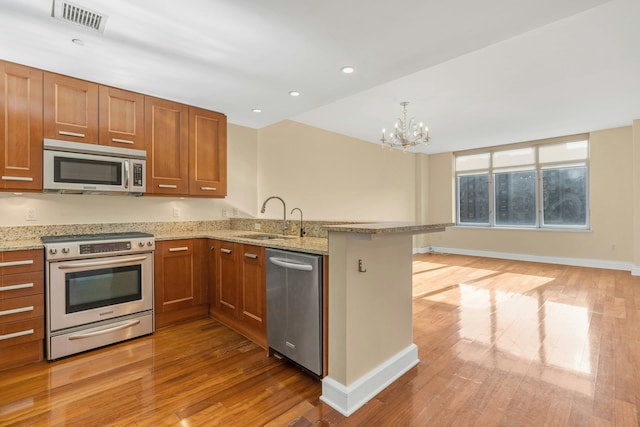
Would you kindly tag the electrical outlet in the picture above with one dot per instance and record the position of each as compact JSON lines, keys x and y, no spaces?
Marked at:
{"x":257,"y":226}
{"x":176,"y":212}
{"x":30,"y":214}
{"x":224,"y":212}
{"x":235,"y":212}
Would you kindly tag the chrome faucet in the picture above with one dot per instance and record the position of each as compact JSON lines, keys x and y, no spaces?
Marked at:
{"x":302,"y":232}
{"x":284,"y":218}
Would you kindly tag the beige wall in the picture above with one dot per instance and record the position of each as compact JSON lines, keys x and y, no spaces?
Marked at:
{"x":370,"y":311}
{"x":332,"y":176}
{"x":84,"y":209}
{"x":335,"y":177}
{"x":611,"y":177}
{"x":636,"y":197}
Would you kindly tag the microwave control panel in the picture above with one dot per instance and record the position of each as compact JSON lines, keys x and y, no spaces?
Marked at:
{"x":138,"y":173}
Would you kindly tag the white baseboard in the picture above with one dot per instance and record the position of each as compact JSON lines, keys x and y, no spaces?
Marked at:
{"x":348,"y":399}
{"x":579,"y":262}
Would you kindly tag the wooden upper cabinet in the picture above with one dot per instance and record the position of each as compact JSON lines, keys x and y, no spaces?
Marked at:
{"x":70,"y":109}
{"x":121,"y":118}
{"x":207,"y":153}
{"x":20,"y":128}
{"x":167,"y":144}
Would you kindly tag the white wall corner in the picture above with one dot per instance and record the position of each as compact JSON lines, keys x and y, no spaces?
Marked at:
{"x":348,"y":399}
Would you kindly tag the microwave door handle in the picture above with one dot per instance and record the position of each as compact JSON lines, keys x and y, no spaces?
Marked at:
{"x":126,"y":174}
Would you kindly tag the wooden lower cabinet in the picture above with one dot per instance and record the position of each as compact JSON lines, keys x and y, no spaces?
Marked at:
{"x":180,"y":281}
{"x":21,"y":307}
{"x":238,"y":288}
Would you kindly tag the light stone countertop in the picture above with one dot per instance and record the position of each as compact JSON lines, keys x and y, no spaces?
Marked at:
{"x":315,"y":245}
{"x":18,"y":245}
{"x":22,"y":238}
{"x":388,"y":227}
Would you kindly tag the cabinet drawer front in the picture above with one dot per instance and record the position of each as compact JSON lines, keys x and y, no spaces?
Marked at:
{"x":14,"y":262}
{"x":19,"y":285}
{"x":21,"y":331}
{"x":21,"y":308}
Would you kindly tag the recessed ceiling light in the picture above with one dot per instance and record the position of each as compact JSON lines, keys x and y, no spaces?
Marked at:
{"x":257,"y":110}
{"x":347,"y":69}
{"x":79,"y":42}
{"x":294,"y":93}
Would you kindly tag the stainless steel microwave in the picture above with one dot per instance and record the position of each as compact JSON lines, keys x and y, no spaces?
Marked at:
{"x":72,"y":167}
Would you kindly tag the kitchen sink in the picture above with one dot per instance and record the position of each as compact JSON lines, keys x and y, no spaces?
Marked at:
{"x":265,"y":237}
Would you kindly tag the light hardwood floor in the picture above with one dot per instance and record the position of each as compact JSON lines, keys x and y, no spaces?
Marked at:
{"x":501,"y":343}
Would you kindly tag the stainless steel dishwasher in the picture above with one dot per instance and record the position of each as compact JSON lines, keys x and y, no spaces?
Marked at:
{"x":294,"y":307}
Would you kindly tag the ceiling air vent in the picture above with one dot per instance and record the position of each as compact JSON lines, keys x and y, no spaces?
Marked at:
{"x":87,"y":18}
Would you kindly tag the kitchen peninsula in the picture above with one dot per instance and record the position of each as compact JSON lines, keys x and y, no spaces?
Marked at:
{"x":369,"y":306}
{"x":370,"y":310}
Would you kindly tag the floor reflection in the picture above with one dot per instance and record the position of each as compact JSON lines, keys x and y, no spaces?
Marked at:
{"x":505,"y":321}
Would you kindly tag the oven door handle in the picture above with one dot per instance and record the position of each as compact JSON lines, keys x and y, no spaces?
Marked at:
{"x":104,"y":331}
{"x":100,"y":263}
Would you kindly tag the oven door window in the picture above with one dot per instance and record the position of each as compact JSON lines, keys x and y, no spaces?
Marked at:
{"x":103,"y":287}
{"x":85,"y":171}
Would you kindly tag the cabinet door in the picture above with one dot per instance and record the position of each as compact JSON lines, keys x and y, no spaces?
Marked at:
{"x":121,"y":118}
{"x":226,"y":292}
{"x":167,"y":143}
{"x":70,"y":109}
{"x":253,"y":288}
{"x":20,"y":128}
{"x":174,"y":275}
{"x":207,"y":153}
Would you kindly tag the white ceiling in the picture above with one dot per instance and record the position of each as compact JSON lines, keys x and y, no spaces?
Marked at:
{"x":478,"y":73}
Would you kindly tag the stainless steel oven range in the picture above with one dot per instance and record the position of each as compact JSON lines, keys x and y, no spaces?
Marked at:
{"x":99,"y":290}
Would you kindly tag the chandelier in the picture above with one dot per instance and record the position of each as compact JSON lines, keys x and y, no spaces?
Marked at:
{"x":406,"y":134}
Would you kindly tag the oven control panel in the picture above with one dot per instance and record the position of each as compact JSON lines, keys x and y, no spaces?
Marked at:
{"x":74,"y":250}
{"x":96,"y":248}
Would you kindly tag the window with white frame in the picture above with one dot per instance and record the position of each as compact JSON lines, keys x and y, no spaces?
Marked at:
{"x":534,"y":186}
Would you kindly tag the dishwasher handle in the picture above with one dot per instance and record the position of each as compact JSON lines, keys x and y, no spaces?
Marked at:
{"x":281,"y":262}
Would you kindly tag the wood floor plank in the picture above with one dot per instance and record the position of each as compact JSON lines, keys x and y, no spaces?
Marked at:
{"x":500,"y":342}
